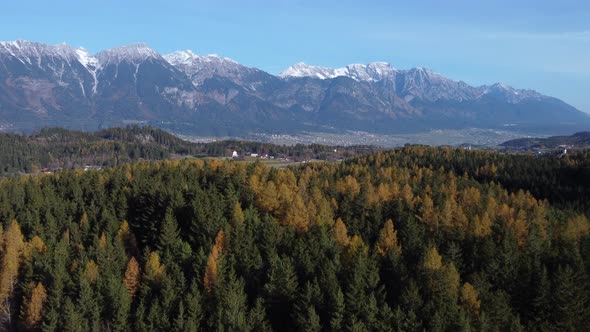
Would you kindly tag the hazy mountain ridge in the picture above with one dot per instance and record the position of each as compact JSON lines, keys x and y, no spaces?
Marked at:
{"x":580,"y":139}
{"x":48,"y":85}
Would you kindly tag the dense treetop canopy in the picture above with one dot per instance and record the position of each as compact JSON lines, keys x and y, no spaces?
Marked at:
{"x":404,"y":240}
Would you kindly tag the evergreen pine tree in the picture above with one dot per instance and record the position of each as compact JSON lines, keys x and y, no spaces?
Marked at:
{"x":570,"y":300}
{"x":257,"y":321}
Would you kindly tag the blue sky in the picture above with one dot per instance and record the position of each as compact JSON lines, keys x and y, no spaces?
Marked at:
{"x":542,"y":45}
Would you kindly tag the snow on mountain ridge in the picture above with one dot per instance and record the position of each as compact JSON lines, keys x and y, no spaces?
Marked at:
{"x":131,"y":53}
{"x":86,"y":59}
{"x":201,"y":67}
{"x":374,"y":71}
{"x":32,"y":52}
{"x":411,"y":83}
{"x":189,"y":58}
{"x":63,"y":64}
{"x":91,"y":64}
{"x":303,"y":70}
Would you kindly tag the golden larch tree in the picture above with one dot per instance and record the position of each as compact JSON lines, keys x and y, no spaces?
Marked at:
{"x":481,"y":226}
{"x":237,"y":215}
{"x":102,"y":241}
{"x":453,"y":279}
{"x":576,"y":228}
{"x":468,"y":298}
{"x":33,"y":307}
{"x":154,"y":270}
{"x":383,"y":193}
{"x":432,"y":259}
{"x":126,"y":235}
{"x":268,"y":198}
{"x":348,"y":185}
{"x":210,"y":277}
{"x":132,"y":275}
{"x":408,"y":195}
{"x":123,"y":231}
{"x":340,"y":233}
{"x":91,"y":272}
{"x":520,"y":227}
{"x":427,"y":213}
{"x":13,"y":245}
{"x":324,"y":214}
{"x":296,"y":214}
{"x":387,"y":239}
{"x":355,"y":246}
{"x":35,"y":245}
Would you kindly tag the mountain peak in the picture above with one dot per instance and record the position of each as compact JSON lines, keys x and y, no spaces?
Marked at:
{"x":509,"y":93}
{"x":374,"y":71}
{"x":19,"y":44}
{"x":202,"y":67}
{"x":130,"y":53}
{"x":188,"y":58}
{"x":27,"y":49}
{"x":56,"y":82}
{"x":501,"y":86}
{"x":301,"y":69}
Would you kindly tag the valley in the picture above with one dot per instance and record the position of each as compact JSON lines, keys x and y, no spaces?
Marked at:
{"x":313,"y":166}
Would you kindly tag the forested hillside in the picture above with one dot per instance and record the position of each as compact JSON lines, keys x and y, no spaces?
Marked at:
{"x":581,"y":139}
{"x":57,"y":148}
{"x":407,"y":240}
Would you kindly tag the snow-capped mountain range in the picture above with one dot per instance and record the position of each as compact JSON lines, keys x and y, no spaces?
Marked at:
{"x":61,"y":85}
{"x":415,"y":82}
{"x":374,"y":71}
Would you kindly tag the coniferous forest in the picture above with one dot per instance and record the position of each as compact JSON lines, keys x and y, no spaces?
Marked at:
{"x":413,"y":239}
{"x":58,"y":148}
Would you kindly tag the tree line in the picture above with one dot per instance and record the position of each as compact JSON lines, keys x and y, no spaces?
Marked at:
{"x":56,"y":149}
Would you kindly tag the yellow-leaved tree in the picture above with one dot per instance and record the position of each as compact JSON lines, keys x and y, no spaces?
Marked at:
{"x":13,"y":245}
{"x":91,"y":272}
{"x":481,"y":226}
{"x":296,"y":214}
{"x":35,"y":245}
{"x":237,"y":216}
{"x":387,"y":239}
{"x":132,"y":275}
{"x":432,"y":259}
{"x":576,"y":228}
{"x":126,"y":235}
{"x":427,"y":213}
{"x":452,"y":279}
{"x":33,"y":307}
{"x":468,"y":298}
{"x":341,"y":233}
{"x":217,"y":249}
{"x":154,"y":270}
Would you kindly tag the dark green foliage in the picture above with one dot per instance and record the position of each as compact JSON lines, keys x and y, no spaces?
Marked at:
{"x":56,"y":149}
{"x":570,"y":300}
{"x":527,"y":267}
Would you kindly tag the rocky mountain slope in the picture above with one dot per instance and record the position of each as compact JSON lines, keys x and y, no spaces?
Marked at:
{"x":59,"y":85}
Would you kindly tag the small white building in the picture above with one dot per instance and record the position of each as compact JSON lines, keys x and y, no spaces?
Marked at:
{"x":234,"y":154}
{"x":563,"y":153}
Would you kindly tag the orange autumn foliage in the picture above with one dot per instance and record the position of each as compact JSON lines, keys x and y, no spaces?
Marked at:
{"x":210,"y":277}
{"x":387,"y":239}
{"x":33,"y":307}
{"x":132,"y":275}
